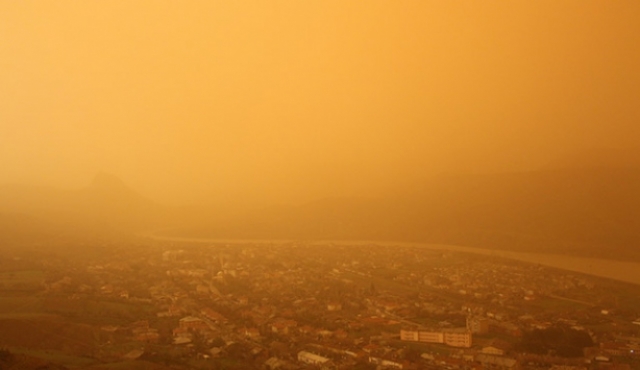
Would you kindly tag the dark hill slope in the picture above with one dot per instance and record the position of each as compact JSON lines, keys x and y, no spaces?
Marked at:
{"x":585,"y":211}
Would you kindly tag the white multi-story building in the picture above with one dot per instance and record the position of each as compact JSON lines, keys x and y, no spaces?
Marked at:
{"x":451,"y":337}
{"x":431,"y":336}
{"x":409,"y":335}
{"x":457,"y":338}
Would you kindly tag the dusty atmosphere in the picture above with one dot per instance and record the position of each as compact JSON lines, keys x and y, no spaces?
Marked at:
{"x":290,"y":101}
{"x":293,"y":185}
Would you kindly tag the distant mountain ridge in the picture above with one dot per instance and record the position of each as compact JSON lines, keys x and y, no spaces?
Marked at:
{"x":591,"y":211}
{"x":107,"y":204}
{"x":597,"y":158}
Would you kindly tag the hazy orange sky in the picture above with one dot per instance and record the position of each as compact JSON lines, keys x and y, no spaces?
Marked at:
{"x":291,"y":100}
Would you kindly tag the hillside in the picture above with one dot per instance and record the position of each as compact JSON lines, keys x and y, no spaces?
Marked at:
{"x":591,"y":211}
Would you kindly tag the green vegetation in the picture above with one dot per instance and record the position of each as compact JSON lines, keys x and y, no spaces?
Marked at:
{"x":6,"y":358}
{"x":57,"y":357}
{"x":557,"y":304}
{"x":559,"y":340}
{"x":128,"y":365}
{"x":20,"y":304}
{"x":28,"y":280}
{"x":100,"y":311}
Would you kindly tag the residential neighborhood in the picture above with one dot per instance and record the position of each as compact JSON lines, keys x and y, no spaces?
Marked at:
{"x":298,"y":305}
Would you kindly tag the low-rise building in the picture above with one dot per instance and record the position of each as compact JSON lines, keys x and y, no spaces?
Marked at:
{"x":478,"y":325}
{"x":192,"y":323}
{"x":311,"y":358}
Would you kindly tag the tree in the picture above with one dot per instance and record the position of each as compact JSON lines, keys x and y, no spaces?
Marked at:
{"x":559,"y":340}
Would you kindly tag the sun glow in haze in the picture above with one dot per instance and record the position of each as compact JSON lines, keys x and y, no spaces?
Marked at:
{"x":288,"y":101}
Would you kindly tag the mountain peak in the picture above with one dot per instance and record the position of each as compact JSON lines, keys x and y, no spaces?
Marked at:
{"x":109,"y":186}
{"x":109,"y":194}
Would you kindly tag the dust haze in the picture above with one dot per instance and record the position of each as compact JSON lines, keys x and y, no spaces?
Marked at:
{"x":289,"y":102}
{"x":319,"y":185}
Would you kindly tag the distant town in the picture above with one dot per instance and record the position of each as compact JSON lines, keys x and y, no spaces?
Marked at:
{"x":300,"y":305}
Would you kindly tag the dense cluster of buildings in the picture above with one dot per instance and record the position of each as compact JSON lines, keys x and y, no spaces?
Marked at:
{"x":300,"y":305}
